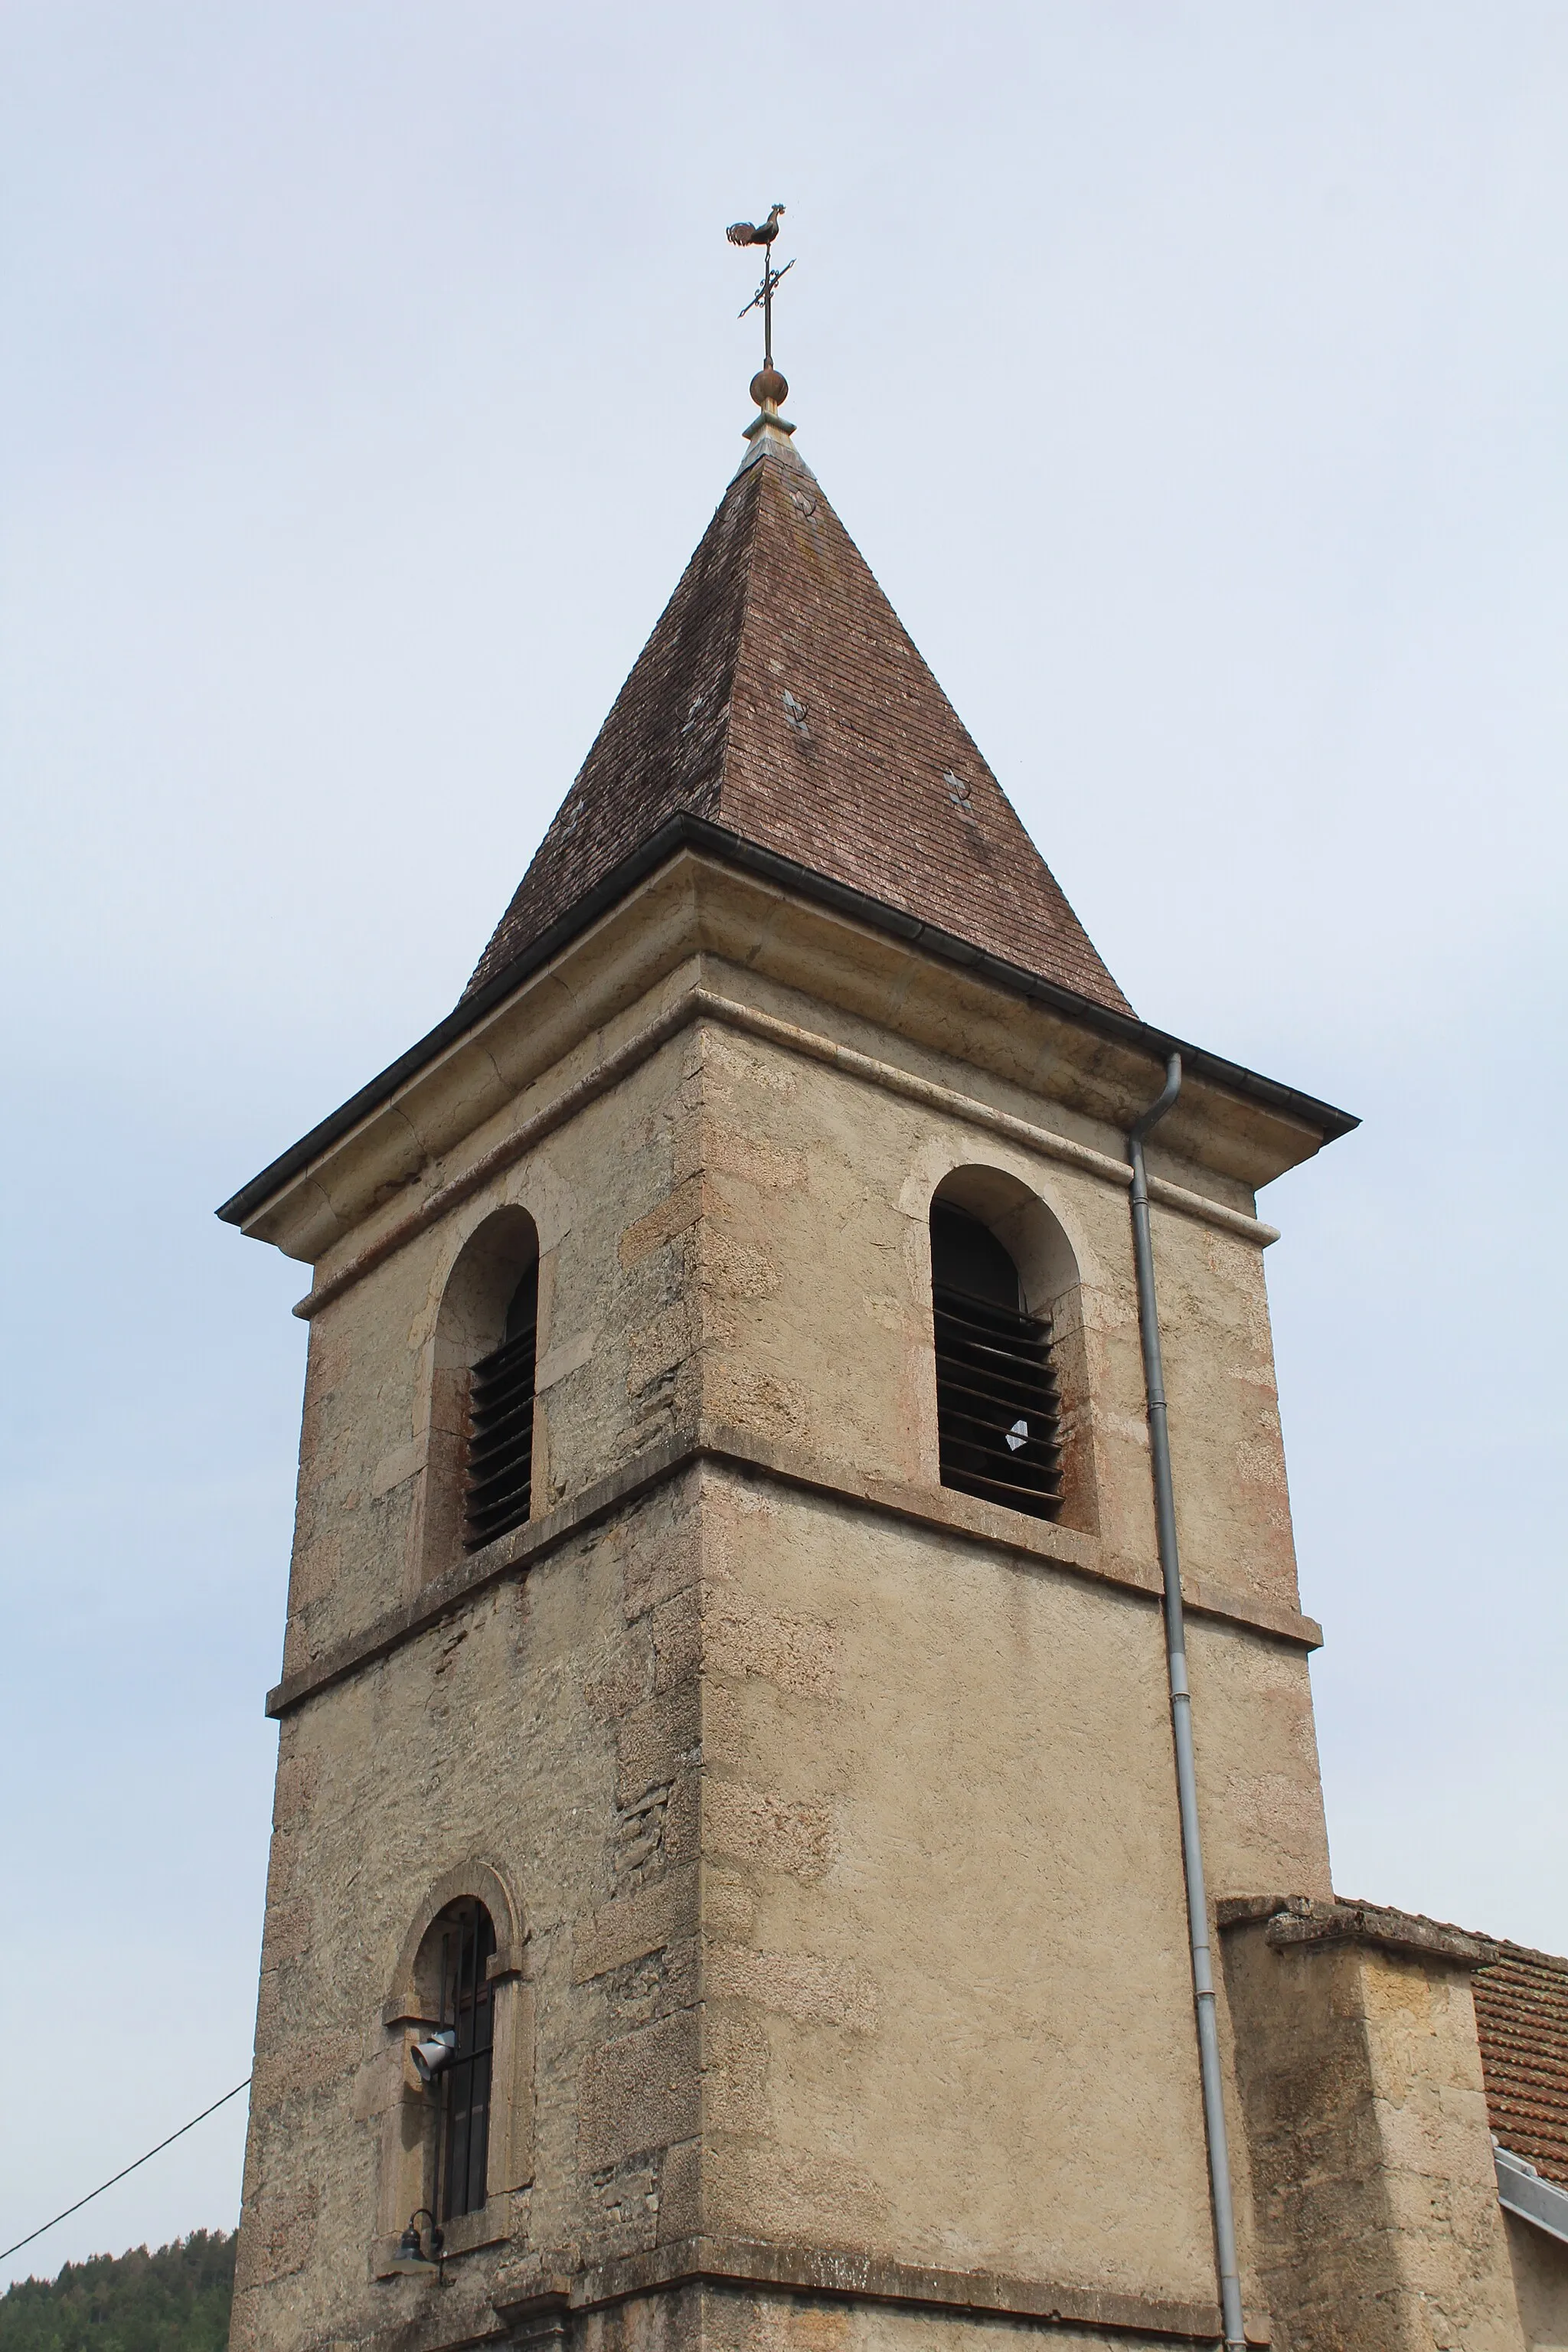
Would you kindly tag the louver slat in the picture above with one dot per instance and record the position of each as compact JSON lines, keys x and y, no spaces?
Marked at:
{"x":503,"y":1431}
{"x":999,"y":1384}
{"x":998,"y":1413}
{"x":499,"y":1495}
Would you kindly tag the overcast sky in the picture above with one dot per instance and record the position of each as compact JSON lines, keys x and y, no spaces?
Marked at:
{"x":1194,"y":378}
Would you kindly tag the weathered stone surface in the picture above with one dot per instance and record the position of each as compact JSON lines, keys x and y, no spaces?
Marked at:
{"x":835,"y":1808}
{"x":639,"y":2091}
{"x":1540,"y":2267}
{"x":643,"y":1922}
{"x":1375,"y":2204}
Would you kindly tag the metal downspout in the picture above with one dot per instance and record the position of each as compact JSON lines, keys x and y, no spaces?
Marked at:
{"x":1182,"y":1724}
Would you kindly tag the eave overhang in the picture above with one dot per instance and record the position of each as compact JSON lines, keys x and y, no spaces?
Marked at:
{"x":684,"y":832}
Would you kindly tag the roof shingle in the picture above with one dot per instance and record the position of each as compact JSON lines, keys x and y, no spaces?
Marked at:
{"x":780,"y":698}
{"x":1521,"y":2015}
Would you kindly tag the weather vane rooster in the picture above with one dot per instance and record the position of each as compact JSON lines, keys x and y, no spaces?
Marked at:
{"x":762,"y":233}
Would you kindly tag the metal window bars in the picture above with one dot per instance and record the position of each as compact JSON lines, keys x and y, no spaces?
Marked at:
{"x":998,"y":1409}
{"x":467,"y":2006}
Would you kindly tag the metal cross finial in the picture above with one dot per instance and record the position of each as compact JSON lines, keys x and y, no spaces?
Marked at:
{"x":762,"y":233}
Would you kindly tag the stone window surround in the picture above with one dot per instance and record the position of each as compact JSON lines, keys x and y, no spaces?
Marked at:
{"x":1009,"y":1203}
{"x":406,"y":2153}
{"x":492,"y":1249}
{"x":1009,"y":1199}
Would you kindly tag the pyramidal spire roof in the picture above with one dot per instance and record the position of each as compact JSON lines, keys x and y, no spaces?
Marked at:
{"x":781,"y":699}
{"x":780,"y":716}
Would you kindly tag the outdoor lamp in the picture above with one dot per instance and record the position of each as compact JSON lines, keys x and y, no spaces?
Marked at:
{"x":431,"y":2054}
{"x":411,"y":2261}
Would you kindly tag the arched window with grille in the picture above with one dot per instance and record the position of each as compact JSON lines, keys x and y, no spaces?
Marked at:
{"x":479,"y":1468}
{"x":467,"y":2007}
{"x":998,"y":1409}
{"x":459,"y":2140}
{"x":498,"y":1490}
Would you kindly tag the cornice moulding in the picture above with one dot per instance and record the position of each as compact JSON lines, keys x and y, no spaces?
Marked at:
{"x":794,"y":928}
{"x":700,"y":1004}
{"x":1031,"y":1542}
{"x":852,"y":2275}
{"x":1302,"y":1923}
{"x":1076,"y":1084}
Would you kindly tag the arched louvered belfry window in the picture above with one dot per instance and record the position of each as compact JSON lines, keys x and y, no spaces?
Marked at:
{"x":499,"y":1489}
{"x":998,"y":1413}
{"x":467,"y":1940}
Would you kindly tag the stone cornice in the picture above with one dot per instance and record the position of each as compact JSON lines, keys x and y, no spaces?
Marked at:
{"x":701,"y":900}
{"x":534,"y":2290}
{"x":1300,"y":1923}
{"x":1028,"y":1541}
{"x":706,"y":1005}
{"x":533,"y":2302}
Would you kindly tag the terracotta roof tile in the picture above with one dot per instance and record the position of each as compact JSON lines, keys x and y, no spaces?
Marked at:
{"x":1522,"y":2013}
{"x":781,"y":697}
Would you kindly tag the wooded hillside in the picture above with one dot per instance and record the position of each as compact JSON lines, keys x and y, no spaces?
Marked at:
{"x":176,"y":2300}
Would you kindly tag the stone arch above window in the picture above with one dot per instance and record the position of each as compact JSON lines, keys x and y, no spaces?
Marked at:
{"x":467,"y":1917}
{"x":407,"y":2002}
{"x":1013,"y":1403}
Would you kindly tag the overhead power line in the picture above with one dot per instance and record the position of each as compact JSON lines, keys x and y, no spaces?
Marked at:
{"x":103,"y":2185}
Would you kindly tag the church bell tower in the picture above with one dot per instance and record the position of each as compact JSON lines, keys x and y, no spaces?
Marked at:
{"x":728,"y":1878}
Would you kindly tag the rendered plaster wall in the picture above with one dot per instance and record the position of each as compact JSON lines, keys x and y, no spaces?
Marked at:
{"x":943,"y":1888}
{"x":1375,"y":2211}
{"x":815,"y":1272}
{"x":816,"y":1284}
{"x":1540,"y":2266}
{"x":1257,"y":1749}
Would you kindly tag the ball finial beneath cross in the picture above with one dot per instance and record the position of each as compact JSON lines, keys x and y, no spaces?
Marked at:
{"x":769,"y":389}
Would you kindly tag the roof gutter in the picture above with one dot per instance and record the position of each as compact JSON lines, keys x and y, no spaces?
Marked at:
{"x":716,"y":841}
{"x":1521,"y":2190}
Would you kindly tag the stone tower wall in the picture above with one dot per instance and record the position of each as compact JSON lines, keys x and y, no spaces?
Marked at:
{"x":835,"y":1808}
